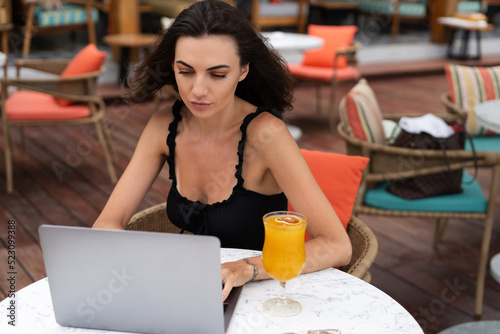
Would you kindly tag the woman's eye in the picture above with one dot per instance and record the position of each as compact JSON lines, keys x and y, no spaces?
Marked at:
{"x":219,"y":76}
{"x":185,"y":73}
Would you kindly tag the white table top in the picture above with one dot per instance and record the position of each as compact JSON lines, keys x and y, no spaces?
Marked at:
{"x":463,"y":23}
{"x":330,"y":299}
{"x":488,"y":114}
{"x":291,"y":46}
{"x":283,"y":41}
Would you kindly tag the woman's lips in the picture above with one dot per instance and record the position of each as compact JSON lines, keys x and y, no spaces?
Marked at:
{"x":200,"y":105}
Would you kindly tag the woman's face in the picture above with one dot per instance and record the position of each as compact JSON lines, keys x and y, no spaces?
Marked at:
{"x":207,"y":71}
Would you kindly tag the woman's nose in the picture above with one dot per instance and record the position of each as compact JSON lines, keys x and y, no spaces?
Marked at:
{"x":200,"y":87}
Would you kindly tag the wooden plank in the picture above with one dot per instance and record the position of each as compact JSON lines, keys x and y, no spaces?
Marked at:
{"x":407,"y":267}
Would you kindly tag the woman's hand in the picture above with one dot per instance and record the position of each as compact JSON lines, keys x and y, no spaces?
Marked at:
{"x":239,"y":272}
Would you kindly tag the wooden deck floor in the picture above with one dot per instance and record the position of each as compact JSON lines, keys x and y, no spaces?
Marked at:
{"x":407,"y":268}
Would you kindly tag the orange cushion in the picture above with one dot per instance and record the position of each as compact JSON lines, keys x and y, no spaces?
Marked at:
{"x":339,"y":176}
{"x":335,"y":37}
{"x":89,"y":59}
{"x":26,"y":105}
{"x":323,"y":73}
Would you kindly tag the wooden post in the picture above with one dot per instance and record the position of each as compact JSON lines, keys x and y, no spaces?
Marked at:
{"x":440,"y":8}
{"x":126,"y":19}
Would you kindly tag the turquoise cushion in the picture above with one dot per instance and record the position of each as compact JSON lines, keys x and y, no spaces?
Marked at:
{"x":470,"y":200}
{"x":413,"y":9}
{"x":485,"y":144}
{"x":468,"y":6}
{"x":386,"y":7}
{"x":66,"y":15}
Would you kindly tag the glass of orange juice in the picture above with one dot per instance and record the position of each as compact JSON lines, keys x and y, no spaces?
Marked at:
{"x":283,"y":256}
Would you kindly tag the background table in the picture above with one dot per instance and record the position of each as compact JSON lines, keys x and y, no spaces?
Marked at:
{"x":126,"y":42}
{"x":330,"y":299}
{"x":466,"y":26}
{"x":291,"y":46}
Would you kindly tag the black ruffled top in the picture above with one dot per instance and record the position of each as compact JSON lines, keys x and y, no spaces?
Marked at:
{"x":236,"y":221}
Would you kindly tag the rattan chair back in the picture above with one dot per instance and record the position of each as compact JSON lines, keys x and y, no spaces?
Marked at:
{"x":364,"y":242}
{"x":81,"y":89}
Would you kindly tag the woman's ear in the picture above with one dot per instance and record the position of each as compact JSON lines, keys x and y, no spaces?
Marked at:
{"x":244,"y":72}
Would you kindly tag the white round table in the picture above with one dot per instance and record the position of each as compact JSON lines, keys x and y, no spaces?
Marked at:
{"x":292,"y":45}
{"x":330,"y":299}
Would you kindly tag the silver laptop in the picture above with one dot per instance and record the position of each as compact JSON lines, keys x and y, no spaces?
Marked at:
{"x":133,"y":281}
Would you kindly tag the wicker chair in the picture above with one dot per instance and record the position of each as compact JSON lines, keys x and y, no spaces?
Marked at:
{"x":289,"y":13}
{"x":79,"y":13}
{"x":396,"y":11}
{"x":386,"y":165}
{"x":43,"y":110}
{"x":5,"y":27}
{"x":453,"y":109}
{"x":468,"y":87}
{"x":339,"y":52}
{"x":481,"y":143}
{"x":364,"y":242}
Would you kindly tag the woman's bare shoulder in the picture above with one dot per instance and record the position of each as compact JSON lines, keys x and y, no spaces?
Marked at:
{"x":162,"y":116}
{"x":155,"y":134}
{"x":266,"y":128}
{"x":160,"y":121}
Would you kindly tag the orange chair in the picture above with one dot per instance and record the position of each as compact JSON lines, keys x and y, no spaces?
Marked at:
{"x":69,"y":97}
{"x":333,"y":63}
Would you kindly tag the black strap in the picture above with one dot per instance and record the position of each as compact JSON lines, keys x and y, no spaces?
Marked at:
{"x":241,"y":144}
{"x":474,"y":155}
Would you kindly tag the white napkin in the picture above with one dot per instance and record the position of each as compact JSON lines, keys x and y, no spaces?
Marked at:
{"x":428,"y":123}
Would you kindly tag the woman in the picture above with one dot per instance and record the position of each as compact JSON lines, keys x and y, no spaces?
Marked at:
{"x":231,"y":158}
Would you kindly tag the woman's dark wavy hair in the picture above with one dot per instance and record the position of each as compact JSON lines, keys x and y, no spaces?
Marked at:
{"x":268,"y":82}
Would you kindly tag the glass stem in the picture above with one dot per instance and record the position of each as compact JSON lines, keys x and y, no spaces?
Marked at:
{"x":282,"y":292}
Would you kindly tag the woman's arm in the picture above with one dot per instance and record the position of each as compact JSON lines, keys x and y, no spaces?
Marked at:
{"x":330,"y":245}
{"x":145,"y":165}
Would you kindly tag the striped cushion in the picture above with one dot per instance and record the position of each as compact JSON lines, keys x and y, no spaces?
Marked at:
{"x":360,"y":114}
{"x":470,"y":86}
{"x":66,"y":15}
